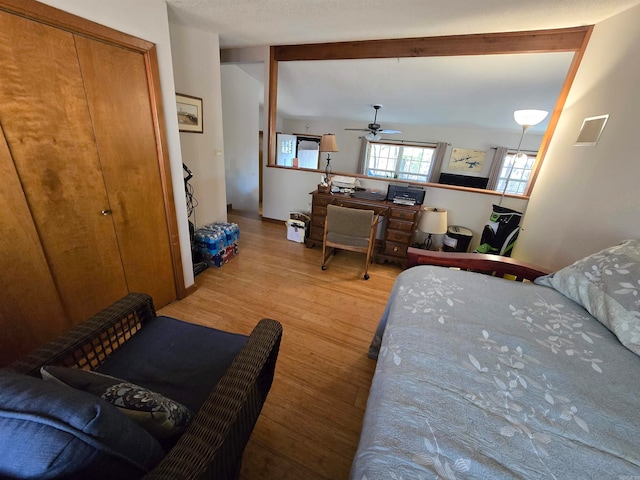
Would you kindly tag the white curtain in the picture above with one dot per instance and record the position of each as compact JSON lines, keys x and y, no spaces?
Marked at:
{"x":438,"y":158}
{"x":364,"y":153}
{"x":496,"y":165}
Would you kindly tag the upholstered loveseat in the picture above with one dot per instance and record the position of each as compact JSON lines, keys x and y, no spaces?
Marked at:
{"x":181,"y":400}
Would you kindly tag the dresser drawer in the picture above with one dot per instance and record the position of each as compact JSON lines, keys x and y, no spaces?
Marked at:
{"x":317,"y":221}
{"x":318,"y":212}
{"x":395,"y":224}
{"x":396,"y":249}
{"x":316,"y":233}
{"x":398,"y":236}
{"x":404,"y":214}
{"x":321,"y":201}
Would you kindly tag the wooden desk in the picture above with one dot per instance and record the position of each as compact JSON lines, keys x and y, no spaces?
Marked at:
{"x":399,"y":225}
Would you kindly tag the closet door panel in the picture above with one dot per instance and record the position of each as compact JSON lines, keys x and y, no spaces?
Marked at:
{"x":115,"y":80}
{"x":31,"y":312}
{"x":48,"y":129}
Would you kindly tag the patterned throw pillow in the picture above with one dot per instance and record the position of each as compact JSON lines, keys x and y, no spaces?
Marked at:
{"x":159,"y":415}
{"x":607,"y":285}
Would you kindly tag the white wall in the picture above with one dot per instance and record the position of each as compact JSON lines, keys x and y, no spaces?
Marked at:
{"x":196,"y":67}
{"x":588,"y":198}
{"x":240,"y":100}
{"x":254,"y":55}
{"x":147,"y":19}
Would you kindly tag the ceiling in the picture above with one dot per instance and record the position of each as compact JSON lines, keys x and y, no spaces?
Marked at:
{"x":462,"y":91}
{"x":243,"y":23}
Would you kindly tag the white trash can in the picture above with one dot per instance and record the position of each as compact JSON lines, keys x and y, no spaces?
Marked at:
{"x":296,"y":230}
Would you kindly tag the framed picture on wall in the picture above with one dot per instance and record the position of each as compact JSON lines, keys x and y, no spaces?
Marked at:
{"x":189,"y":113}
{"x":466,"y":159}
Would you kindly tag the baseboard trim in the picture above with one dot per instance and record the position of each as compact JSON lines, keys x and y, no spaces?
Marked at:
{"x":272,"y":220}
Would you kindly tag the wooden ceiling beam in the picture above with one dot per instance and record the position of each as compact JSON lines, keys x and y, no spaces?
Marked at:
{"x":535,"y":41}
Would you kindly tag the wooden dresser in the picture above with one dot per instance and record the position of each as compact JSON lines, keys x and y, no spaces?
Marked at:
{"x":398,"y":228}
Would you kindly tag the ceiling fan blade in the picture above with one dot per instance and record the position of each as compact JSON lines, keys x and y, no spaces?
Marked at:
{"x":389,"y":131}
{"x":358,"y":129}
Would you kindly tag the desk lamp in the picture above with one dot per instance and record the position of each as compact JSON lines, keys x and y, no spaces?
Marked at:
{"x":328,"y":144}
{"x":433,"y":221}
{"x":526,"y":119}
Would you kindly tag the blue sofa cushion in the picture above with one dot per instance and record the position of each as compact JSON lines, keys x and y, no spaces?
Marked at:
{"x":50,"y":431}
{"x":177,"y":359}
{"x":159,"y":415}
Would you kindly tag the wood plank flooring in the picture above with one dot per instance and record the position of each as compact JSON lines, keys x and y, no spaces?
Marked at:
{"x":310,"y":424}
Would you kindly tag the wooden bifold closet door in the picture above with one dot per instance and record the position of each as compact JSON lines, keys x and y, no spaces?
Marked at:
{"x":27,"y":290}
{"x":83,"y":219}
{"x":118,"y":96}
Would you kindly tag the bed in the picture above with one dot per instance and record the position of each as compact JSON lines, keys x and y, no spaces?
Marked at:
{"x":479,"y":376}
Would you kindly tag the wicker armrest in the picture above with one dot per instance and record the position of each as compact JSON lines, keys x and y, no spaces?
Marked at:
{"x":477,"y":262}
{"x":88,"y":344}
{"x":212,"y":445}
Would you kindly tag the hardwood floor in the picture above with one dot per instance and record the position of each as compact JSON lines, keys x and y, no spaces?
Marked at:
{"x":310,"y":424}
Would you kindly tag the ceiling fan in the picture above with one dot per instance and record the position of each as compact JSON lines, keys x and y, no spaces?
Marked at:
{"x":374,"y":129}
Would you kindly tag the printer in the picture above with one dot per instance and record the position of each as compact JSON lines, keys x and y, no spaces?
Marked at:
{"x":404,"y":194}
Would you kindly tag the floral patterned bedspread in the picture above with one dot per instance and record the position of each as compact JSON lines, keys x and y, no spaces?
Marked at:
{"x":480,"y":377}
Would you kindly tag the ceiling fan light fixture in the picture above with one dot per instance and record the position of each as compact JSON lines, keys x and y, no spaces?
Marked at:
{"x":373,"y":136}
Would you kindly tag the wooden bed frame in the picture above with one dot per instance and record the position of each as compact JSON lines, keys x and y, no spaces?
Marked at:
{"x":477,"y":262}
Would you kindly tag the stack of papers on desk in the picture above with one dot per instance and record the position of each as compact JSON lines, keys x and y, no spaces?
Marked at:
{"x":341,"y":182}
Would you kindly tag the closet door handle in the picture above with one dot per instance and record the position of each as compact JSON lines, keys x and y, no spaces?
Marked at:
{"x":105,"y":212}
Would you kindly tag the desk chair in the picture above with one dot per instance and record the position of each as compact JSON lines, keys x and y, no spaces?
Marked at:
{"x":349,"y":229}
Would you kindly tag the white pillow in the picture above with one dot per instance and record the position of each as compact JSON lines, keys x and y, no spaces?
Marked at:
{"x":607,"y":285}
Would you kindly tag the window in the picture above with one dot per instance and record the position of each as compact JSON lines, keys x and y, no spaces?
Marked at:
{"x":520,"y":174}
{"x":403,"y":162}
{"x":286,"y":149}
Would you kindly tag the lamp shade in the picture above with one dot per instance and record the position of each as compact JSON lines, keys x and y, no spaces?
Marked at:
{"x":433,"y":220}
{"x":328,"y":143}
{"x":529,"y":117}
